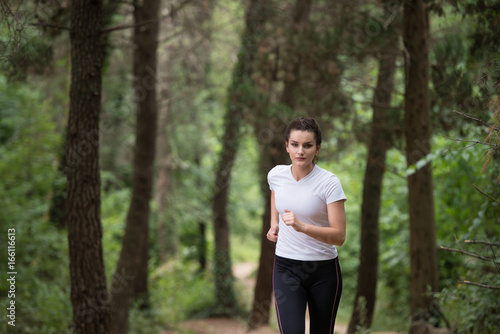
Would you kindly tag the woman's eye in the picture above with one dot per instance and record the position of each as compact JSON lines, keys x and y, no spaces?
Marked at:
{"x":294,"y":145}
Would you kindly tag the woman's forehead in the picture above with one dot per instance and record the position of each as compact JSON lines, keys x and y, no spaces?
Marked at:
{"x":301,"y":136}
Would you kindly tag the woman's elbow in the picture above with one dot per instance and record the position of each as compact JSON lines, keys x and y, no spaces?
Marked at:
{"x":341,"y":239}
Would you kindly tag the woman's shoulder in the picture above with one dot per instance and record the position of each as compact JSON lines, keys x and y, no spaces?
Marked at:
{"x":276,"y":175}
{"x":326,"y":174}
{"x":278,"y":169}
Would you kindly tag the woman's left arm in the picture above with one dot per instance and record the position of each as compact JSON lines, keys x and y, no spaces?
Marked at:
{"x":333,"y":234}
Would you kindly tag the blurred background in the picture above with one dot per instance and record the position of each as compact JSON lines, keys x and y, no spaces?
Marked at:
{"x":190,"y":117}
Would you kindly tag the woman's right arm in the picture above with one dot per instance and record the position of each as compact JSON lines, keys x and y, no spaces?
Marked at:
{"x":272,"y":234}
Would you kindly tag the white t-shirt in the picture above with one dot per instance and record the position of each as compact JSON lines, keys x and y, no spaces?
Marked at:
{"x":307,"y":199}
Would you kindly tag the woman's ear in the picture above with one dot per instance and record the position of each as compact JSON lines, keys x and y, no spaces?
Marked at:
{"x":317,"y":150}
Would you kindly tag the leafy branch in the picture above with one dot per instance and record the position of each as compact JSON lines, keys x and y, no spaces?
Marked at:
{"x":492,"y":259}
{"x":485,"y":194}
{"x":480,"y":121}
{"x":15,"y":28}
{"x":172,"y":13}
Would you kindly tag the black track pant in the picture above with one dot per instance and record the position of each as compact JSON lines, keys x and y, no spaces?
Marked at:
{"x":315,"y":283}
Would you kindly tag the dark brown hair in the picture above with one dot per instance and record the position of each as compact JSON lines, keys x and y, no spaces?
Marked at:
{"x":304,"y":124}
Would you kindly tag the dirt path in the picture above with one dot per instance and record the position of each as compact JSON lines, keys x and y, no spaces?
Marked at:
{"x":243,"y":274}
{"x":224,"y":326}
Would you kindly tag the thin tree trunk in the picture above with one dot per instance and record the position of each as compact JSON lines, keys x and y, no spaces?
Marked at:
{"x":240,"y":96}
{"x":272,"y":154}
{"x":88,"y":281}
{"x":134,"y":254}
{"x":167,"y":241}
{"x":380,"y":142}
{"x":423,"y":250}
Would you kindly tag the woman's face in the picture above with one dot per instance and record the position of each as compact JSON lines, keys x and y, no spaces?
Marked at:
{"x":301,"y":147}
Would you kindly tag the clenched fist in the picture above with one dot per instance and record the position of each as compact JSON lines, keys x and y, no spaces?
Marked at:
{"x":290,"y":219}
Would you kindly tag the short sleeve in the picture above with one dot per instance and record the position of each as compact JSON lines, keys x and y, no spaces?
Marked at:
{"x":270,"y":179}
{"x":333,"y":190}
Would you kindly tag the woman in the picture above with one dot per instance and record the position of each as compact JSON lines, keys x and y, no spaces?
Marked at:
{"x":307,"y":221}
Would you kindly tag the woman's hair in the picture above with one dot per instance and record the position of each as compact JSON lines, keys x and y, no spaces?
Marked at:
{"x":304,"y":124}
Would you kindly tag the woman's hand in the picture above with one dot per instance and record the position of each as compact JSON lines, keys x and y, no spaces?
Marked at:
{"x":272,"y":234}
{"x":290,"y":219}
{"x":333,"y":234}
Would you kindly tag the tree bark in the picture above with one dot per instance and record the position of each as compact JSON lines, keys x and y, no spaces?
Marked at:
{"x":88,"y":281}
{"x":423,"y":250}
{"x":379,"y":144}
{"x":58,"y":202}
{"x":273,"y":153}
{"x":239,"y":98}
{"x":135,"y":248}
{"x":167,"y":231}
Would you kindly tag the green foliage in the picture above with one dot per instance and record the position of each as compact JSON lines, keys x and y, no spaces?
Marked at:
{"x":43,"y":295}
{"x":25,"y":51}
{"x":28,"y":149}
{"x":181,"y":292}
{"x":114,"y":209}
{"x":28,"y":145}
{"x":485,"y":14}
{"x":474,"y":309}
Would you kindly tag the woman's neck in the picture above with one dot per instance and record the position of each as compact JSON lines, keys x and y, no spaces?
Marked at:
{"x":299,"y":173}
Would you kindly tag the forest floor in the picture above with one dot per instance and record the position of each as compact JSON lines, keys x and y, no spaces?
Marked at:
{"x":243,"y":272}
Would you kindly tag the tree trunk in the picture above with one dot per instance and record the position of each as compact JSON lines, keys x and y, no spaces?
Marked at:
{"x":239,"y":98}
{"x":273,"y":153}
{"x":423,"y":251}
{"x":134,"y":254}
{"x":380,"y":142}
{"x":167,"y":231}
{"x":204,"y":15}
{"x":202,"y":225}
{"x":88,"y":281}
{"x":58,"y":201}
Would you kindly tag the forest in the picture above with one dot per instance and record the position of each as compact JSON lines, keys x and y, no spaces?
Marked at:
{"x":136,"y":138}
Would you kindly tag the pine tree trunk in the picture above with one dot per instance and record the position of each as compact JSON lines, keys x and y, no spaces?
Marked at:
{"x":57,"y":210}
{"x":133,"y":261}
{"x":240,"y":97}
{"x":380,"y":142}
{"x":423,"y":250}
{"x":274,"y":153}
{"x":88,"y":281}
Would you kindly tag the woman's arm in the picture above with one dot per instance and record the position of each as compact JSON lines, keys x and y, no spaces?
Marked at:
{"x":272,"y":234}
{"x":334,"y":234}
